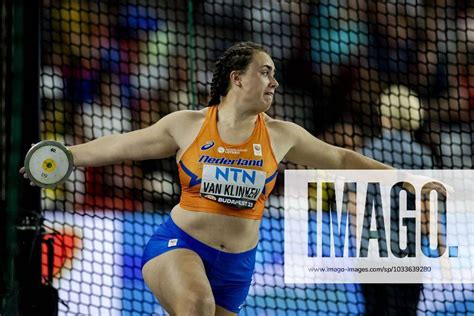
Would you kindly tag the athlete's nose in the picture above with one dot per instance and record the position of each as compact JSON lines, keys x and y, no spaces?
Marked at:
{"x":274,"y":83}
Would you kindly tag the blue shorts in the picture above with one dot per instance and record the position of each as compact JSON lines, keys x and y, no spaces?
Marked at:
{"x":230,"y":274}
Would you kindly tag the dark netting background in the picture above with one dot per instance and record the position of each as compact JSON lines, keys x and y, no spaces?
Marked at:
{"x":391,"y":80}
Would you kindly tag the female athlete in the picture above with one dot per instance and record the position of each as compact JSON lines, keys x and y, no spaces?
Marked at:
{"x":201,"y":261}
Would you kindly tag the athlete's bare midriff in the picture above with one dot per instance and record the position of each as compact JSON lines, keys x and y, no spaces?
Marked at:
{"x":222,"y":232}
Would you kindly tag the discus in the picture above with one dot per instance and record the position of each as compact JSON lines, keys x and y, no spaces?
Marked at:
{"x":48,"y":163}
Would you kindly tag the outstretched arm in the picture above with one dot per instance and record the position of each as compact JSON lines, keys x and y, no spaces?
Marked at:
{"x":305,"y":149}
{"x":153,"y":142}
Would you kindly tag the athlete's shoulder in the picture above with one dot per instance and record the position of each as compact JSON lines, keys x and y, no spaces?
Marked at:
{"x":278,"y":126}
{"x":181,"y":118}
{"x":173,"y":122}
{"x":282,"y":134}
{"x":188,"y":114}
{"x":284,"y":131}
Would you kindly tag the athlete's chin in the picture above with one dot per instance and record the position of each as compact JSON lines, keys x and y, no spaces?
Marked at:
{"x":267,"y":104}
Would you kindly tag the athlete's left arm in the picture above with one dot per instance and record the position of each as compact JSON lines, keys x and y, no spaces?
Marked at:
{"x":305,"y":149}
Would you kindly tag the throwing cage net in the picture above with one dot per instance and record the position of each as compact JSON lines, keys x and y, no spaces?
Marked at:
{"x":392,"y":80}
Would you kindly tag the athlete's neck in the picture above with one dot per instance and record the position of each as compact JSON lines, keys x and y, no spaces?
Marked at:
{"x":234,"y":115}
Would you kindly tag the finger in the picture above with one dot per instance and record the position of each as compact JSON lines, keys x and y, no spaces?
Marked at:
{"x":439,"y":188}
{"x":32,"y":184}
{"x":449,"y":188}
{"x":32,"y":144}
{"x":25,"y":176}
{"x":22,"y":170}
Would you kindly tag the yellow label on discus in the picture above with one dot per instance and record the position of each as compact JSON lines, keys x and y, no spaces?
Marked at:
{"x":49,"y":165}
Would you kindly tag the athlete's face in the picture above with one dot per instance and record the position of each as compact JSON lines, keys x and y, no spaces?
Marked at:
{"x":258,"y":83}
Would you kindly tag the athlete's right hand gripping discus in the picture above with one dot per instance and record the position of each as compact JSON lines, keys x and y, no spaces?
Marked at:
{"x":48,"y":163}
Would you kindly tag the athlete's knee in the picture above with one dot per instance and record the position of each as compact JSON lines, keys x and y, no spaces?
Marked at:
{"x":197,"y":303}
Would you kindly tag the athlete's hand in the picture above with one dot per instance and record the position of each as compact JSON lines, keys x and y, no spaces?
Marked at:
{"x":22,"y":172}
{"x":429,"y":184}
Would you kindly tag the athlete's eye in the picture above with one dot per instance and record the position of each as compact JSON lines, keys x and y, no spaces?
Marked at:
{"x":265,"y":73}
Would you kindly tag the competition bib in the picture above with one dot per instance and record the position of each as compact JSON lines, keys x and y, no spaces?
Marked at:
{"x":232,"y":186}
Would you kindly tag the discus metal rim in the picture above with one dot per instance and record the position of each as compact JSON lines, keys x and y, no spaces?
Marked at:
{"x":39,"y":145}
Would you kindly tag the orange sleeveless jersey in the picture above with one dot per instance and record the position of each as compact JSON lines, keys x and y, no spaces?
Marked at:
{"x":234,"y":180}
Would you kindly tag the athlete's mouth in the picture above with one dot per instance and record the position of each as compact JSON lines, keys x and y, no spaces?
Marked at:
{"x":269,"y":93}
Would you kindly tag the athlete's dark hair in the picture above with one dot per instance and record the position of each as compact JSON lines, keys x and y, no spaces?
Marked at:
{"x":236,"y":57}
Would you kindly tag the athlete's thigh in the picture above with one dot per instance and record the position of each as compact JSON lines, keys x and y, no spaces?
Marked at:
{"x":177,"y":276}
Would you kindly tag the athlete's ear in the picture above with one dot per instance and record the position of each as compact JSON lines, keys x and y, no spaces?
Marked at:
{"x":236,"y":78}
